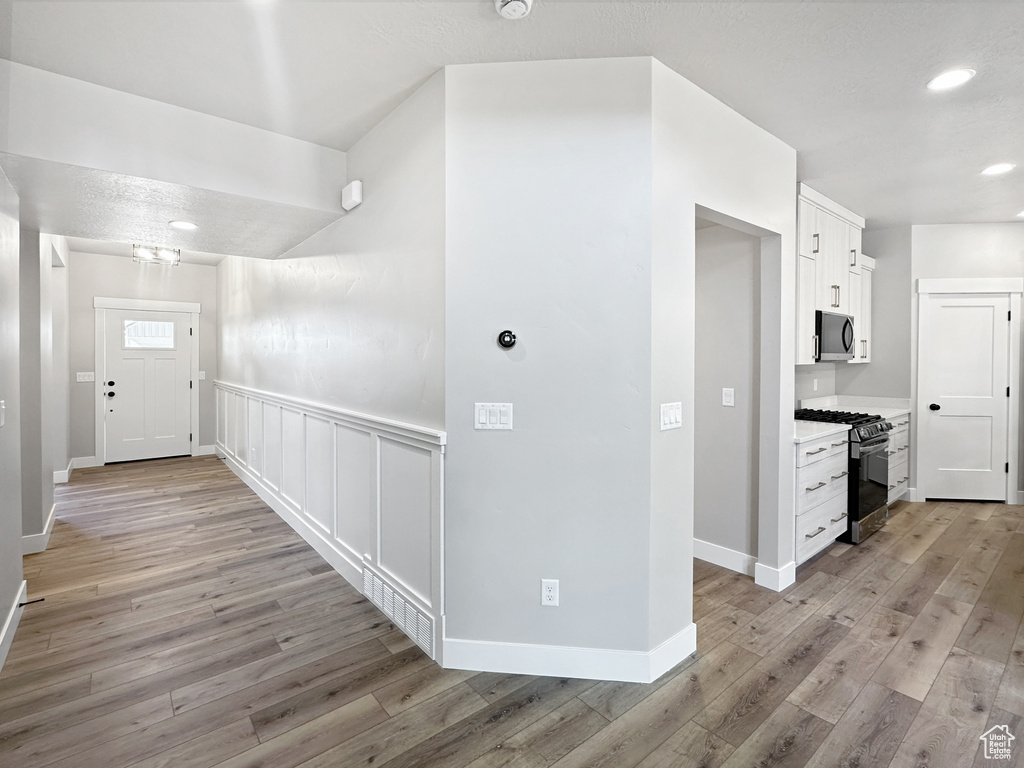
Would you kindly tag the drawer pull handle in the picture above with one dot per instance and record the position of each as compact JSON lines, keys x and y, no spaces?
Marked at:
{"x":902,"y":449}
{"x":823,"y":448}
{"x":902,"y":423}
{"x":904,"y":479}
{"x":891,"y":487}
{"x":822,"y":484}
{"x":836,"y":445}
{"x":837,"y":519}
{"x":821,"y":529}
{"x":836,"y":477}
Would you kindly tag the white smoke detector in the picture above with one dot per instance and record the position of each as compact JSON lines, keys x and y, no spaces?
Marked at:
{"x":513,"y":9}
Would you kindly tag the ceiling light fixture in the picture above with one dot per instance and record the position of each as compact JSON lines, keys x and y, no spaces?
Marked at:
{"x":949,"y":80}
{"x":513,"y":9}
{"x":150,"y":254}
{"x":998,"y":169}
{"x":181,"y":224}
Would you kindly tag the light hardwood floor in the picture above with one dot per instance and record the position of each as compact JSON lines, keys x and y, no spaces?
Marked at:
{"x":186,"y":626}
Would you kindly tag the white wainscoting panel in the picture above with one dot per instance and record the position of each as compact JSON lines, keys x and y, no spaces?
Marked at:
{"x":366,"y":493}
{"x":320,"y":480}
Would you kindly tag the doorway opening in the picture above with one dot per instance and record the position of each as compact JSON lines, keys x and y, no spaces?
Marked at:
{"x":727,"y":395}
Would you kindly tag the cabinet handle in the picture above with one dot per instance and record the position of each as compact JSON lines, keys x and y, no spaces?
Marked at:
{"x":835,"y":292}
{"x":815,"y":346}
{"x":836,"y":445}
{"x":891,"y":487}
{"x":837,"y":519}
{"x":836,"y":477}
{"x":853,"y":257}
{"x":839,"y":296}
{"x":902,"y":449}
{"x":821,"y":529}
{"x":864,"y":348}
{"x":902,"y":423}
{"x":905,"y":479}
{"x":822,"y":484}
{"x":816,"y":243}
{"x":812,"y":453}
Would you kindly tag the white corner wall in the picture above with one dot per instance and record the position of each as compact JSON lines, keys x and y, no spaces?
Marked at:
{"x":92,"y":275}
{"x":548,"y":234}
{"x":12,"y":583}
{"x":707,"y":155}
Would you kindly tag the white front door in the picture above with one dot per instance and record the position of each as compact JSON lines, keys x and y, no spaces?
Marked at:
{"x":145,"y":390}
{"x":963,"y":405}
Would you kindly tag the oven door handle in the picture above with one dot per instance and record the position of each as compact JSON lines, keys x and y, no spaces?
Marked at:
{"x":870,"y":447}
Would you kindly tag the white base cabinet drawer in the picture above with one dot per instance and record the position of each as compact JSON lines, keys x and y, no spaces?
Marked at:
{"x":818,"y":450}
{"x":899,"y":478}
{"x":820,"y":526}
{"x":821,"y":481}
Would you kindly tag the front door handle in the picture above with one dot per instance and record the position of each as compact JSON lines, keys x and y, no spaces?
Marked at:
{"x":934,"y":406}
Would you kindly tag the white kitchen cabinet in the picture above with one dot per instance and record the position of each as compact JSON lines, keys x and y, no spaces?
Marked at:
{"x":828,"y":246}
{"x":822,"y":483}
{"x":860,"y":300}
{"x":899,"y":457}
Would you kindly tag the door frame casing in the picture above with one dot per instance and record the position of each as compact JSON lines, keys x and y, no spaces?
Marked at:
{"x":100,"y":305}
{"x":1013,"y":287}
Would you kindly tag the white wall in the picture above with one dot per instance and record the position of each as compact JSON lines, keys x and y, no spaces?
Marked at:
{"x":888,"y":373}
{"x":707,"y":155}
{"x":354,"y":317}
{"x":960,"y":251}
{"x":728,"y":340}
{"x":36,"y":327}
{"x":548,"y":234}
{"x":333,"y":363}
{"x":10,"y":434}
{"x":68,"y":121}
{"x":93,"y":275}
{"x":60,"y":392}
{"x":822,"y":373}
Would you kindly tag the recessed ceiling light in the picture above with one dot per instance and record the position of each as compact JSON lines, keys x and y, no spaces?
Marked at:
{"x":952,"y":79}
{"x":998,"y":169}
{"x":178,"y":224}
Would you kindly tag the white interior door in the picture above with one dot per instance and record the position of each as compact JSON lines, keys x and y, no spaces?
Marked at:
{"x":963,"y":405}
{"x":146,"y":384}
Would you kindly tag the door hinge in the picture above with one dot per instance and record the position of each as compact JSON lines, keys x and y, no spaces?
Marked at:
{"x":190,"y":437}
{"x":1007,"y":467}
{"x":189,"y":331}
{"x":1007,"y":391}
{"x":190,"y":386}
{"x":1008,"y":315}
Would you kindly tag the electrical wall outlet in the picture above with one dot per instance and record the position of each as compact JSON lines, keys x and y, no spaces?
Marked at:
{"x":549,"y":592}
{"x":815,"y":383}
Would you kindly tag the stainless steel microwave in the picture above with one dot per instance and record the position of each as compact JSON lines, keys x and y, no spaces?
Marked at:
{"x":833,"y":336}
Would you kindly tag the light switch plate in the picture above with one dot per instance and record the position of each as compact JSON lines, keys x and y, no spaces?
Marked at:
{"x":671,"y":416}
{"x":729,"y":397}
{"x":85,"y":376}
{"x":202,"y":375}
{"x":492,"y":416}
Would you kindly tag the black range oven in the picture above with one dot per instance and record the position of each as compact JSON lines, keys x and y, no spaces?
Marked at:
{"x":867,"y":495}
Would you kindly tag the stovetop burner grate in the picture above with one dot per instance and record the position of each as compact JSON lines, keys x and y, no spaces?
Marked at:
{"x":836,"y":417}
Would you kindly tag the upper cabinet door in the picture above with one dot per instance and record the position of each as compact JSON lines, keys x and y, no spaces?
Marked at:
{"x":808,"y":222}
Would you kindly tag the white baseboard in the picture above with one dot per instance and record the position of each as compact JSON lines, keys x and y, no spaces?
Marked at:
{"x":81,"y":462}
{"x":37,"y":542}
{"x":561,"y":661}
{"x":63,"y":475}
{"x":913,"y":495}
{"x":11,"y":622}
{"x":776,"y":579}
{"x":206,"y":450}
{"x":351,"y":571}
{"x":725,"y":557}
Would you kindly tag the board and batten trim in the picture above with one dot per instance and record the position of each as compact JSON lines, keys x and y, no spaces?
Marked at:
{"x":565,"y":661}
{"x":11,"y":621}
{"x":366,"y":493}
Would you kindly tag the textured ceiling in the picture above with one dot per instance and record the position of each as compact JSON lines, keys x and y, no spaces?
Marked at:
{"x":841,"y":82}
{"x":99,"y":205}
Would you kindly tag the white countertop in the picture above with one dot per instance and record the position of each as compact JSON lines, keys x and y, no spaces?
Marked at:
{"x":812,"y":430}
{"x":887,"y":407}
